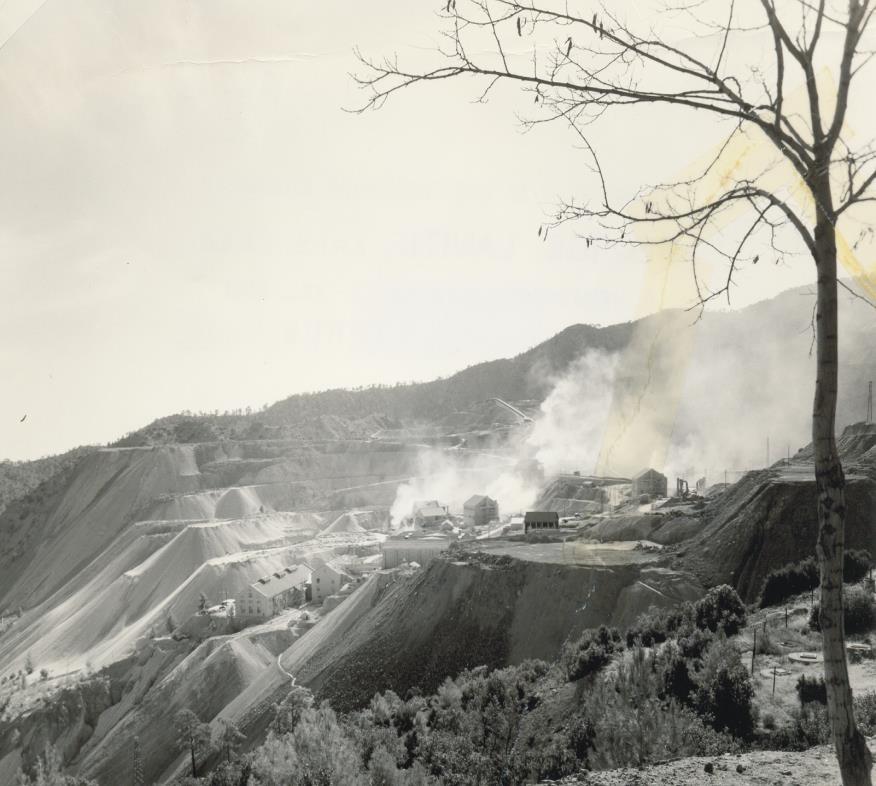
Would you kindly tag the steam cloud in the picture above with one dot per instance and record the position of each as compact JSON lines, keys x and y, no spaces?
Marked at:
{"x":690,"y":400}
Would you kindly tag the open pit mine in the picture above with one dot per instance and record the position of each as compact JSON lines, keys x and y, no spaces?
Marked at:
{"x":215,"y":565}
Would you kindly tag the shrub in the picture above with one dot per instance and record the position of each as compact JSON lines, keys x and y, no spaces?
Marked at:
{"x":813,"y":726}
{"x":725,"y":691}
{"x":766,"y":645}
{"x":694,"y":644}
{"x":790,"y":580}
{"x":768,"y":720}
{"x":591,"y":652}
{"x":856,"y":565}
{"x":677,"y":682}
{"x":720,"y":610}
{"x":859,"y":611}
{"x":659,"y":624}
{"x":803,"y":576}
{"x":811,"y":689}
{"x":865,"y":713}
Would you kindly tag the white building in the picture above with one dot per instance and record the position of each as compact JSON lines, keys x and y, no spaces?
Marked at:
{"x":327,"y":579}
{"x":271,"y":594}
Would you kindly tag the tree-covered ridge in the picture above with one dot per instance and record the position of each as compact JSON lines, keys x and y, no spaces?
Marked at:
{"x":19,"y":478}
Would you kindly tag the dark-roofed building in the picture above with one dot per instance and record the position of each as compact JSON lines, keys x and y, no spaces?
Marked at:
{"x":541,"y":519}
{"x":479,"y":510}
{"x":271,"y":594}
{"x":650,"y":482}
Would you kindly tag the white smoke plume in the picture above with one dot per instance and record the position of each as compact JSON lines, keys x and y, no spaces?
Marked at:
{"x":568,"y":433}
{"x":689,"y":398}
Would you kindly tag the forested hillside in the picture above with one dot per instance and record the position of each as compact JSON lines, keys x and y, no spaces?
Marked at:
{"x":18,"y":478}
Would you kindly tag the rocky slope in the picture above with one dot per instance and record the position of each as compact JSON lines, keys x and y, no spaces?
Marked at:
{"x":768,"y":518}
{"x":480,"y":610}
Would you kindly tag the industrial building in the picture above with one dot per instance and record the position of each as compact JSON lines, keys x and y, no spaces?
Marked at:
{"x":479,"y":510}
{"x":430,"y":513}
{"x":540,"y":519}
{"x":326,"y":580}
{"x":650,"y":482}
{"x":271,"y":594}
{"x":422,"y":550}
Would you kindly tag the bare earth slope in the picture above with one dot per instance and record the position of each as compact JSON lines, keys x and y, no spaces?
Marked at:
{"x":767,"y":519}
{"x":489,"y":611}
{"x":102,"y":497}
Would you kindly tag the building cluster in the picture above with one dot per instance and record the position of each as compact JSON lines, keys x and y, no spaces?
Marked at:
{"x":429,"y":514}
{"x":478,"y":511}
{"x":295,"y":585}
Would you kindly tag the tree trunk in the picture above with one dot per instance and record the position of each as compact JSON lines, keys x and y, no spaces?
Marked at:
{"x":194,"y":769}
{"x":851,"y":749}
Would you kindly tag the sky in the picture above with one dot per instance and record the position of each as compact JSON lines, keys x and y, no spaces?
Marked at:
{"x":190,"y":220}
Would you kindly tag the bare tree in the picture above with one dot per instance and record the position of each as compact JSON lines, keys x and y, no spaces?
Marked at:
{"x":582,"y":61}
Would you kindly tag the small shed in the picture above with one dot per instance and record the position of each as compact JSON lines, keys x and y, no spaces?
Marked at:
{"x":540,"y":519}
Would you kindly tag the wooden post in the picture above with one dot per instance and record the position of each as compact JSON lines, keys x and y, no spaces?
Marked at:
{"x":774,"y":680}
{"x":753,"y":651}
{"x":786,"y":616}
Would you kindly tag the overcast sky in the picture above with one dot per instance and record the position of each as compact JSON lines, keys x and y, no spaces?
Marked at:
{"x":188,"y":219}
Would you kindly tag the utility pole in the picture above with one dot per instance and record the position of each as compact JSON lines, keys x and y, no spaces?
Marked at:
{"x":870,"y":402}
{"x":768,"y":452}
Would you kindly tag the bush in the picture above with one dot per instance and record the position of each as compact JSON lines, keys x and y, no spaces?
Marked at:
{"x":803,"y":576}
{"x":811,"y":690}
{"x":720,"y":610}
{"x":725,"y":693}
{"x":856,"y":565}
{"x":659,"y":624}
{"x":790,"y":580}
{"x":766,"y":645}
{"x":677,"y":681}
{"x":859,"y":611}
{"x":694,"y":644}
{"x":865,"y":713}
{"x":591,"y":652}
